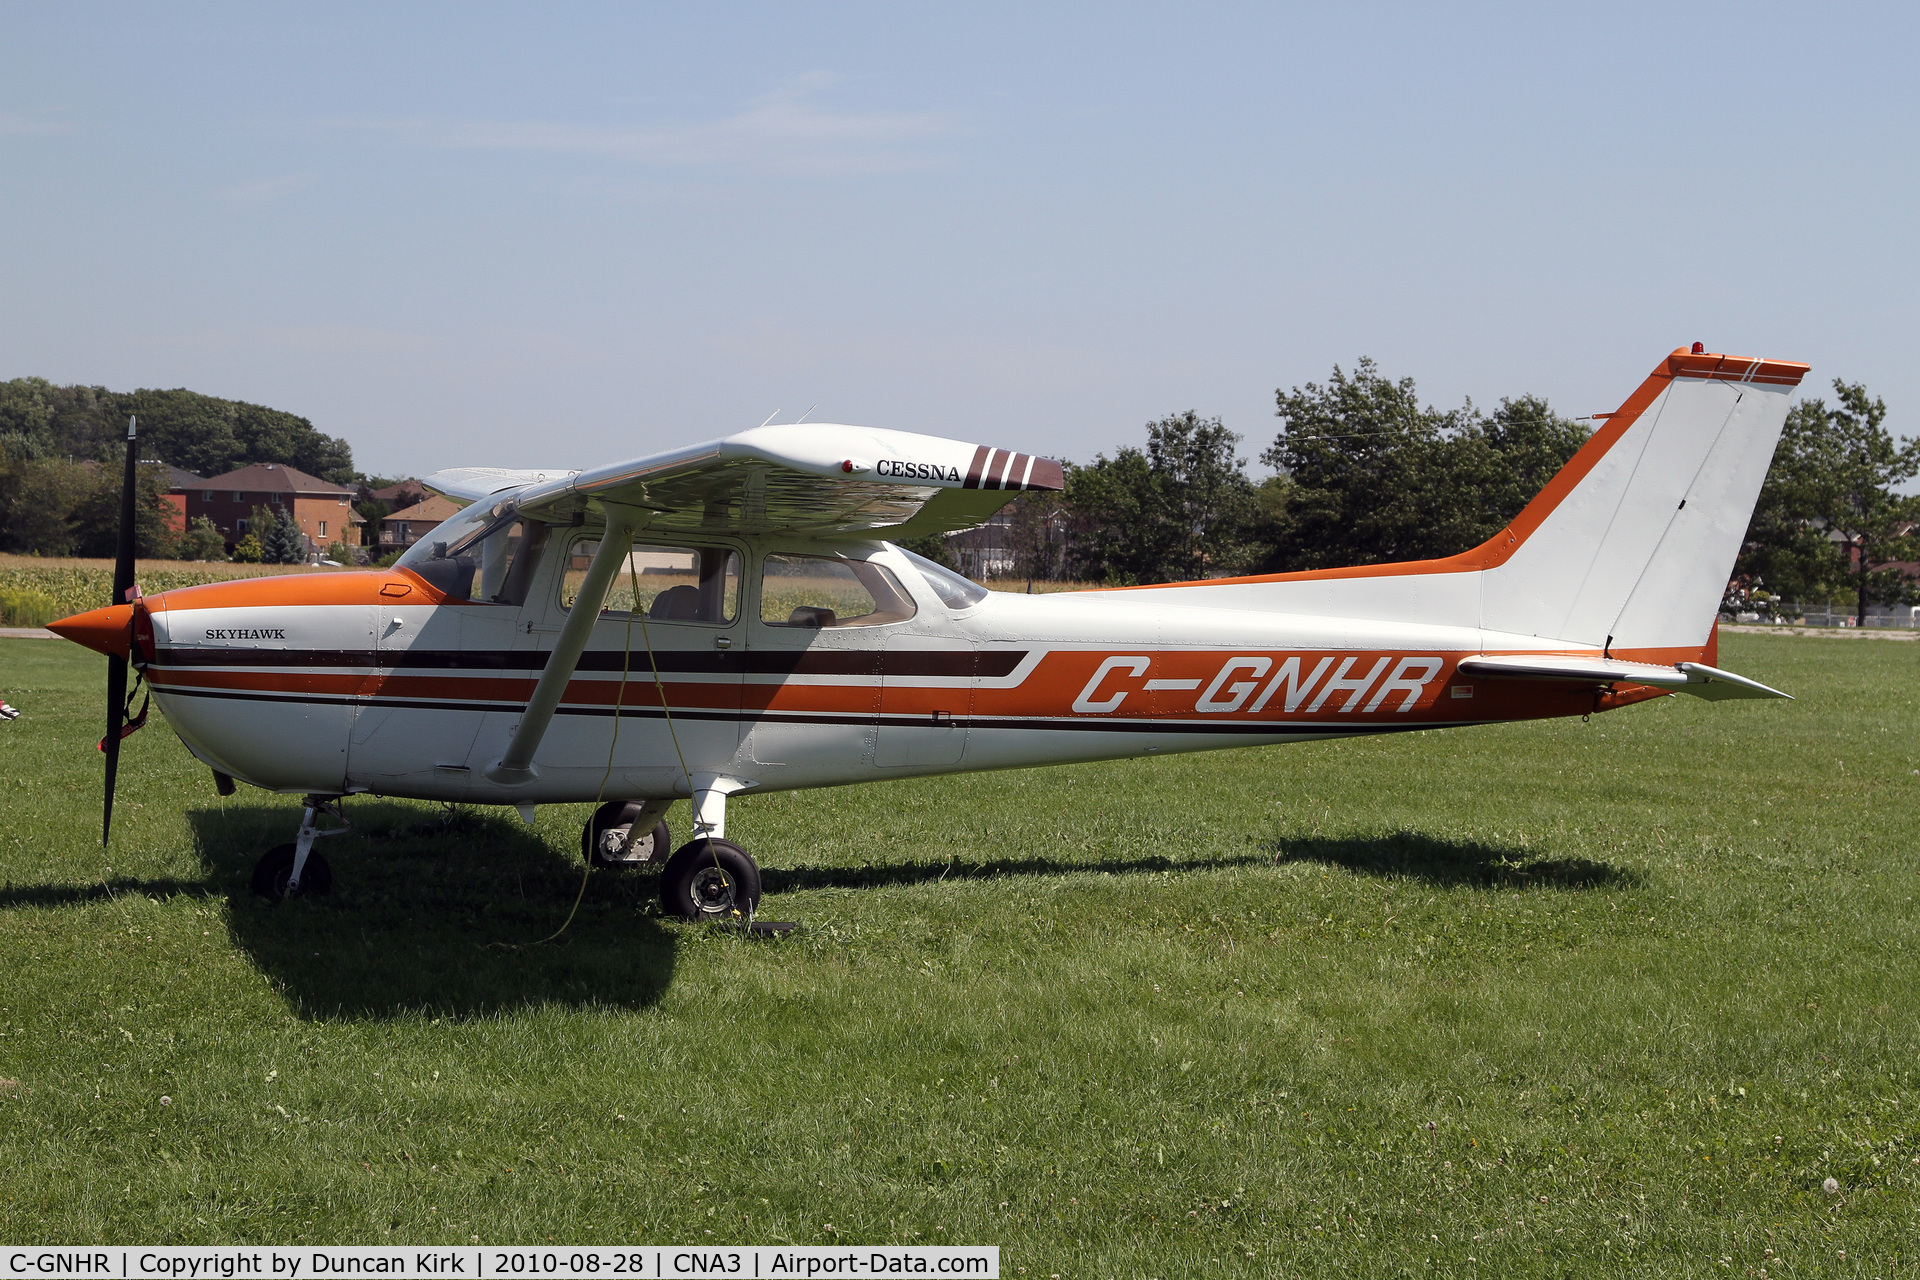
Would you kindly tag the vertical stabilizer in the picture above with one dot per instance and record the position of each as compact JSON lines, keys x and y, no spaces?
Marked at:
{"x":1631,"y":545}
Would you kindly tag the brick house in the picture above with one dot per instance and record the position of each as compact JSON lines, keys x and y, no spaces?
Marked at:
{"x":404,"y":528}
{"x":404,"y":494}
{"x":323,"y":511}
{"x":180,"y":482}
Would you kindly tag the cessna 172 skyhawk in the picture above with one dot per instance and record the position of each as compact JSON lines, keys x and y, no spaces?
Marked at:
{"x":726,"y":618}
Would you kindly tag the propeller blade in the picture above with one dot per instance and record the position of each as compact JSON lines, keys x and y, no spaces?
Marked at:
{"x":116,"y":711}
{"x":122,"y":594}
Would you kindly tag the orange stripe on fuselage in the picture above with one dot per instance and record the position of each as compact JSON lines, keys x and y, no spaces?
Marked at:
{"x":1363,"y":689}
{"x":328,"y":683}
{"x":303,"y":589}
{"x":1182,"y":681}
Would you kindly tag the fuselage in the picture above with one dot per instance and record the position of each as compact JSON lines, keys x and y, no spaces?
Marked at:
{"x":386,"y":682}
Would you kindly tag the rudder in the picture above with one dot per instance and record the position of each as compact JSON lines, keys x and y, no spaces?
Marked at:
{"x":1630,"y":546}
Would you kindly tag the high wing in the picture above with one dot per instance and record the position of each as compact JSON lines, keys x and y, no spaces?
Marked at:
{"x":1695,"y":678}
{"x":470,"y":484}
{"x":821,"y":480}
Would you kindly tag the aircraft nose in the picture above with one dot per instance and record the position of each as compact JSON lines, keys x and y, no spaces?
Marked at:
{"x":108,"y":630}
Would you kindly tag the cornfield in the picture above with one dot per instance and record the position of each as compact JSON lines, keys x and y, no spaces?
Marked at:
{"x":34,"y":592}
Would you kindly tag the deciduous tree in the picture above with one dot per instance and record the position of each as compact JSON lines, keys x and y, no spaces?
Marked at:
{"x":95,"y":516}
{"x":1368,"y":475}
{"x":1830,"y":513}
{"x":202,"y":541}
{"x":1180,"y":509}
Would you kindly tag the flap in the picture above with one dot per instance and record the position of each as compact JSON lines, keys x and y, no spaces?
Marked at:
{"x":1687,"y":677}
{"x":820,"y":479}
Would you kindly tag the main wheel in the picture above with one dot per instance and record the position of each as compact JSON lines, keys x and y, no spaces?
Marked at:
{"x":710,"y":880}
{"x":275,"y":868}
{"x":604,"y":834}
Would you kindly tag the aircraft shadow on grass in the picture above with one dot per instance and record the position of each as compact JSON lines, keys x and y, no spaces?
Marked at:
{"x":67,"y":895}
{"x":1462,"y":863}
{"x":436,"y":918}
{"x":879,"y":876}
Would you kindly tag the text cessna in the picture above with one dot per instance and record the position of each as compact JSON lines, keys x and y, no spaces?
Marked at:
{"x":1251,"y":683}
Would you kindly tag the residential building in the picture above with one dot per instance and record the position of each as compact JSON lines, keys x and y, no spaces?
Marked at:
{"x":986,"y":550}
{"x":180,"y":483}
{"x":323,"y":511}
{"x":405,"y":527}
{"x":407,"y":493}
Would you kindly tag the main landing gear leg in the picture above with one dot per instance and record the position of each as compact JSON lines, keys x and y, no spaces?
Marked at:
{"x":626,"y":833}
{"x":289,"y":870}
{"x":711,"y":878}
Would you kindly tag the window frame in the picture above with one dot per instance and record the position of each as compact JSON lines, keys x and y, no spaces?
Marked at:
{"x":875,"y":556}
{"x":668,"y":542}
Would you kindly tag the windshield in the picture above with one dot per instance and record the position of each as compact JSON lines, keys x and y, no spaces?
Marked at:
{"x":469,"y":519}
{"x":954,"y":591}
{"x":484,"y":551}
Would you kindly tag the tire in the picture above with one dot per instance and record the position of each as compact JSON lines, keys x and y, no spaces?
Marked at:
{"x":710,"y":880}
{"x":275,"y":867}
{"x":612,"y":820}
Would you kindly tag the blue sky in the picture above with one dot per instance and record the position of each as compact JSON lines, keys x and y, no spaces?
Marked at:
{"x":563,"y":235}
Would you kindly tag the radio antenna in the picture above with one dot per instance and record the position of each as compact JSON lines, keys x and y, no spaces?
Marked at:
{"x":803,"y":417}
{"x":771,"y":417}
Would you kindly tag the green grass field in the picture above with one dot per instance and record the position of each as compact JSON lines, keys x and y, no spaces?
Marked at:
{"x":1559,"y":999}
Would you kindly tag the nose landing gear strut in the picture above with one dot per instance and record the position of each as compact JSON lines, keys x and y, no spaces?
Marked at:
{"x":293,"y":870}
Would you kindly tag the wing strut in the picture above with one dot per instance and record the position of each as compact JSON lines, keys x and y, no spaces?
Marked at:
{"x":515,"y":768}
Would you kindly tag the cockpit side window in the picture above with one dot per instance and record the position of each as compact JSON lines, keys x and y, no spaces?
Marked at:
{"x":824,"y":591}
{"x":675,"y":584}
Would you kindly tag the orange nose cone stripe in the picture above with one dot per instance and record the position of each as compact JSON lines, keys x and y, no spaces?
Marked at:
{"x":108,"y":630}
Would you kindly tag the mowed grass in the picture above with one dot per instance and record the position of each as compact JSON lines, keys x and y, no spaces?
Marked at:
{"x":1550,"y":999}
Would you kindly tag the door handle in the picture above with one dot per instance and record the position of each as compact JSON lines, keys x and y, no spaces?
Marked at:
{"x":723,"y":642}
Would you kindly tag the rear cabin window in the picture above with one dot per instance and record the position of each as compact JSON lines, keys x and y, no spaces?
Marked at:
{"x":821,"y":591}
{"x":674,"y":584}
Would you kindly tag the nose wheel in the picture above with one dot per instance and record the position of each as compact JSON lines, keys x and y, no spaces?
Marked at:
{"x":297,"y":869}
{"x":710,"y":879}
{"x":273,"y":874}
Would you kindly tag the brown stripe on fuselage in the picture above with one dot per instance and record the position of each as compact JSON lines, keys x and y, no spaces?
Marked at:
{"x":956,"y":663}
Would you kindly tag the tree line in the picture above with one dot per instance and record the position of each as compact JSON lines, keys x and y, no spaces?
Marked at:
{"x":1364,"y":473}
{"x":62,"y":450}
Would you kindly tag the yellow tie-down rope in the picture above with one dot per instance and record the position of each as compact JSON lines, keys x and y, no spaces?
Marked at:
{"x":619,"y":703}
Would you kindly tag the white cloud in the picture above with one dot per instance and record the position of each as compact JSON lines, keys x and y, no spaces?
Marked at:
{"x":784,"y":131}
{"x":266,"y":190}
{"x":305,"y":340}
{"x":18,"y":126}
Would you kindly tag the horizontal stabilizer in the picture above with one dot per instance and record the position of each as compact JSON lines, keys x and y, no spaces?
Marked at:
{"x":1695,"y":678}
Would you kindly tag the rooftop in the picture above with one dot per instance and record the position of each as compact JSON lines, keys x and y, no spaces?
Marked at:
{"x":274,"y":477}
{"x":435,"y":508}
{"x":177,"y":477}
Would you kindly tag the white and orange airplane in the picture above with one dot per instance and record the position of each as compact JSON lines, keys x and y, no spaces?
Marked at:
{"x":727,"y":618}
